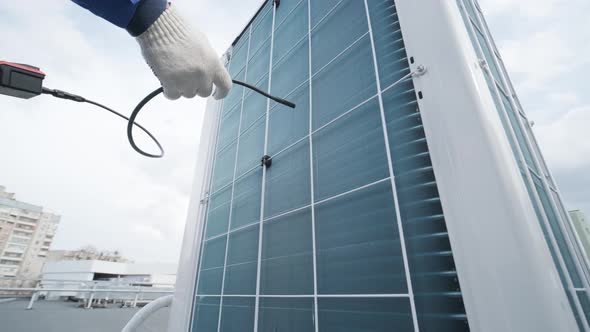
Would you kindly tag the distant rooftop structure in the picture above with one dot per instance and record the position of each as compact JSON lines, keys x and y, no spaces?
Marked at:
{"x":4,"y":194}
{"x":100,"y":270}
{"x":86,"y":254}
{"x":61,"y":274}
{"x":8,"y":199}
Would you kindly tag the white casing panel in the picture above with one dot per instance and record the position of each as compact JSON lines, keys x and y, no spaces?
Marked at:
{"x":181,"y":311}
{"x":508,"y":279}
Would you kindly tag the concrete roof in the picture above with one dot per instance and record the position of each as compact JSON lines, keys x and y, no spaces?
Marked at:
{"x":67,"y":316}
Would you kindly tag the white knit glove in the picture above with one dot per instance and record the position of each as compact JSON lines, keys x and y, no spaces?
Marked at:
{"x":182,"y":59}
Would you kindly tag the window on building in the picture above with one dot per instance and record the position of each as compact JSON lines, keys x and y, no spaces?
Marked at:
{"x":19,"y":233}
{"x":13,"y":247}
{"x":27,"y":219}
{"x":8,"y":262}
{"x":27,"y":227}
{"x":19,"y":241}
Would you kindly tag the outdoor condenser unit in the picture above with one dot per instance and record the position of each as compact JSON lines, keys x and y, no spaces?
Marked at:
{"x":405,"y":192}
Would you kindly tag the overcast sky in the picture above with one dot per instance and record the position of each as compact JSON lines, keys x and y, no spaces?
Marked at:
{"x":75,"y":160}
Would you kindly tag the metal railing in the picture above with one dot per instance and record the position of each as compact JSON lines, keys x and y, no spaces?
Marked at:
{"x":95,"y":292}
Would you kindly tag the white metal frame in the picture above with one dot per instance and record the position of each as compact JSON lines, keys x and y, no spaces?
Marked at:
{"x":314,"y":249}
{"x":181,"y":310}
{"x":522,"y":160}
{"x":508,"y":286}
{"x":233,"y":184}
{"x":264,"y":171}
{"x":563,"y":224}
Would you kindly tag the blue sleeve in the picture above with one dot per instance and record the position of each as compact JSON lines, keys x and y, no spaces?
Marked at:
{"x":134,"y":15}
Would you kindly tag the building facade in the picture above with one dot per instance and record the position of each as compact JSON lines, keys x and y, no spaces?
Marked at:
{"x":406,"y":191}
{"x":582,"y":226}
{"x":26,"y":234}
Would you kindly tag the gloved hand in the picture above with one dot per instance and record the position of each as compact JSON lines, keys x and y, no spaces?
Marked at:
{"x":182,"y":59}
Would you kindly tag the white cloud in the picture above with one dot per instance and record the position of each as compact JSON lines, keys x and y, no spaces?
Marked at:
{"x":545,"y":45}
{"x":565,"y":142}
{"x":567,"y":98}
{"x":526,"y":8}
{"x":73,"y":158}
{"x":540,"y":58}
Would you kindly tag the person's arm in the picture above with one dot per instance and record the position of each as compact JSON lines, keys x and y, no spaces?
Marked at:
{"x":134,"y":15}
{"x":182,"y":59}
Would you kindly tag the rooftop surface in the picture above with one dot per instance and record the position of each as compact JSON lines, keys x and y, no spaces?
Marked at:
{"x":60,"y":316}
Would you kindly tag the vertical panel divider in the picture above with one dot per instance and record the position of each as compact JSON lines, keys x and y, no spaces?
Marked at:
{"x":521,"y":160}
{"x":263,"y":191}
{"x":233,"y":184}
{"x":215,"y":145}
{"x":562,"y":223}
{"x":391,"y":174}
{"x":206,"y":213}
{"x":313,"y":235}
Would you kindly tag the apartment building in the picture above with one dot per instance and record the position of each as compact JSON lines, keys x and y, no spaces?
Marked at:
{"x":26,"y":234}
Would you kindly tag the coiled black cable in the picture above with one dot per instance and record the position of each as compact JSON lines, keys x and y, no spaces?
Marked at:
{"x":131,"y":119}
{"x":131,"y":122}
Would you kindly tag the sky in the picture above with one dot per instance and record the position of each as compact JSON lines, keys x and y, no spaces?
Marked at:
{"x":75,"y":160}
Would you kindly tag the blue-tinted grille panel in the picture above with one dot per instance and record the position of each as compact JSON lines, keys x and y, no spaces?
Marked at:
{"x":344,"y":83}
{"x":365,"y":314}
{"x":314,"y":241}
{"x":286,"y":315}
{"x":237,"y":314}
{"x":350,"y":152}
{"x":287,"y":127}
{"x":337,"y":32}
{"x":358,"y":247}
{"x":288,"y":182}
{"x":287,"y":255}
{"x":206,"y":312}
{"x":438,"y":299}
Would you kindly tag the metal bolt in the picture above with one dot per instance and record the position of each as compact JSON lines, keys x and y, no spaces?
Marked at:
{"x":484,"y":65}
{"x":420,"y":70}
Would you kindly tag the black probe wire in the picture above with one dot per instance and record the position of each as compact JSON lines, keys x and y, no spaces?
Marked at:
{"x":131,"y":119}
{"x":68,"y":96}
{"x":131,"y":122}
{"x":277,"y":99}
